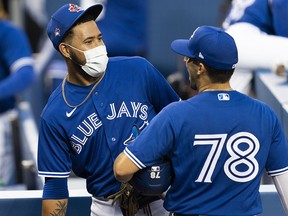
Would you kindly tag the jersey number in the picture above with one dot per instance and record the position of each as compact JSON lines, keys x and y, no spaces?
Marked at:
{"x":237,"y":156}
{"x":155,"y":175}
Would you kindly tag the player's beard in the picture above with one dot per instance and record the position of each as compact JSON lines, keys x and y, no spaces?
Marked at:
{"x":74,"y":58}
{"x":77,"y":63}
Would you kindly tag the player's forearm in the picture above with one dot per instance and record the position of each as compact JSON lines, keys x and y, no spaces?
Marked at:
{"x":124,"y":168}
{"x":54,"y":207}
{"x":123,"y":178}
{"x":280,"y":182}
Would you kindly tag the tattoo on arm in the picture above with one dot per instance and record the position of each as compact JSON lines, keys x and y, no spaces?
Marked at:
{"x":60,"y":210}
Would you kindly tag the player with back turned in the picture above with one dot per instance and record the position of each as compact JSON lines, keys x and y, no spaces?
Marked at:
{"x":89,"y":119}
{"x":219,"y":142}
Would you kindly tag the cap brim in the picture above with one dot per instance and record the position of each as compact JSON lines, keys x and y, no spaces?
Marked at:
{"x":180,"y":46}
{"x":94,"y":10}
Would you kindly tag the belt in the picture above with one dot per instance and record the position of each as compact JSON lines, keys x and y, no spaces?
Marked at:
{"x":102,"y":198}
{"x":102,"y":201}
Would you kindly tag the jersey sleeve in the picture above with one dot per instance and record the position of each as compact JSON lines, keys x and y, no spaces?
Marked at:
{"x":279,"y":9}
{"x":53,"y":153}
{"x":20,"y":80}
{"x":16,"y":57}
{"x":277,"y":162}
{"x":155,"y":142}
{"x":16,"y":48}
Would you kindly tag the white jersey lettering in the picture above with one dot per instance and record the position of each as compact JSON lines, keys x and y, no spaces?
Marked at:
{"x":87,"y":128}
{"x":113,"y":112}
{"x":237,"y":156}
{"x":144,"y":114}
{"x":135,"y":108}
{"x":124,"y":111}
{"x":95,"y":121}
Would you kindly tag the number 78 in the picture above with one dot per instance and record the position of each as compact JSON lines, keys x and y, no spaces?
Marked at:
{"x":237,"y":155}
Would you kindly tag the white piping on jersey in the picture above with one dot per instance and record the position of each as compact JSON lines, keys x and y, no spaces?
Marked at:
{"x":54,"y":174}
{"x":145,"y":123}
{"x":277,"y":172}
{"x":134,"y":159}
{"x":26,"y":61}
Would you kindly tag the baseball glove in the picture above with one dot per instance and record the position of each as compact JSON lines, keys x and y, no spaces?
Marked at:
{"x":131,"y":201}
{"x":145,"y":187}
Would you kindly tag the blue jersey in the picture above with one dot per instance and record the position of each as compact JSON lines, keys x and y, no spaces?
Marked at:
{"x":269,"y":16}
{"x":87,"y":139}
{"x":16,"y":64}
{"x":219,"y":144}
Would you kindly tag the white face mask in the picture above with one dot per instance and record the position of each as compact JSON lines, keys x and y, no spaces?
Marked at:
{"x":96,"y":60}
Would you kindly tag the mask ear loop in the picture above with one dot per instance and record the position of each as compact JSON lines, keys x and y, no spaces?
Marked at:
{"x":74,"y":48}
{"x":71,"y":57}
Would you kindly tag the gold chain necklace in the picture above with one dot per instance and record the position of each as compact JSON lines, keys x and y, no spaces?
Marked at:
{"x":64,"y":96}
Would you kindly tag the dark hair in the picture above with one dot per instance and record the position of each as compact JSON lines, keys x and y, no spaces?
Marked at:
{"x":86,"y":18}
{"x":216,"y":75}
{"x":219,"y":76}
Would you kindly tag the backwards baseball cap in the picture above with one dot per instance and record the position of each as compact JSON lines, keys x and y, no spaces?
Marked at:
{"x":65,"y":17}
{"x":211,"y":46}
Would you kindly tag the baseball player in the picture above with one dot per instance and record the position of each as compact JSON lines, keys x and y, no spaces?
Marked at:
{"x":88,"y":119}
{"x":219,"y":141}
{"x":260,"y":30}
{"x":16,"y":75}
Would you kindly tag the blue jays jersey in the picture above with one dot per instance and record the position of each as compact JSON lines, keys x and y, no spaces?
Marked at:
{"x":88,"y":138}
{"x":268,"y":15}
{"x":16,"y":62}
{"x":219,"y":144}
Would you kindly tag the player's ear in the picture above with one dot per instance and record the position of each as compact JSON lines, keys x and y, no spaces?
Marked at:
{"x":63,"y":49}
{"x":201,"y":68}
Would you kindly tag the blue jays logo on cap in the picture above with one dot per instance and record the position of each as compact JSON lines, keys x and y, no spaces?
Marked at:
{"x":74,"y":8}
{"x":211,"y":46}
{"x":65,"y":18}
{"x":57,"y":32}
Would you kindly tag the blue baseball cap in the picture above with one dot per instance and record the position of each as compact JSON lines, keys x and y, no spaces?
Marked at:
{"x":65,"y":17}
{"x":211,"y":46}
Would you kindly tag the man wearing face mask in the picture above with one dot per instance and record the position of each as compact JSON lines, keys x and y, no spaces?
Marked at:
{"x":88,"y":120}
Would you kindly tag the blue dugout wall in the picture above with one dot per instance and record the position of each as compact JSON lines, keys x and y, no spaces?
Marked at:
{"x":28,"y":203}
